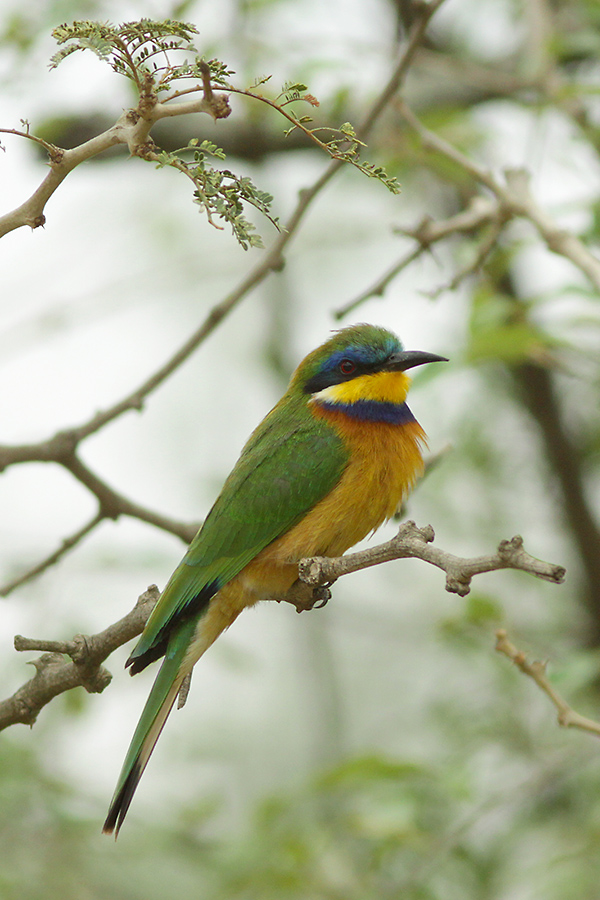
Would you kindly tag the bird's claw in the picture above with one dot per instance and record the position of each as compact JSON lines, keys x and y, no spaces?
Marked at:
{"x":321,"y":596}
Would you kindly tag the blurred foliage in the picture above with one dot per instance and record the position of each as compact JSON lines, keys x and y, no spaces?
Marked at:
{"x":488,"y":816}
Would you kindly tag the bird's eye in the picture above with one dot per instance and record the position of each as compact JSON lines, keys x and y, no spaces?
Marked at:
{"x":347,"y":367}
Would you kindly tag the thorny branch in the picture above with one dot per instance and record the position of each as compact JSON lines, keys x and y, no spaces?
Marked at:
{"x":536,"y":670}
{"x":61,"y":448}
{"x":75,"y":663}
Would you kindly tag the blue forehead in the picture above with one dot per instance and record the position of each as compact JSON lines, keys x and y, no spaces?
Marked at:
{"x":363,"y":354}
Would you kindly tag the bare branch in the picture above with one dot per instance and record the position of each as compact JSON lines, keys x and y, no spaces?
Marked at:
{"x":536,"y":670}
{"x":54,"y":674}
{"x":515,"y":198}
{"x":480,"y":212}
{"x":415,"y":543}
{"x":558,"y":239}
{"x":60,"y":449}
{"x":423,"y":14}
{"x":483,"y":250}
{"x":62,"y":162}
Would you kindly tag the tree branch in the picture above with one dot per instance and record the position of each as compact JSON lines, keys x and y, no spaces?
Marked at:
{"x":536,"y":670}
{"x":132,"y":128}
{"x":54,"y":674}
{"x":60,"y":449}
{"x":481,"y":212}
{"x":416,"y":543}
{"x":515,"y":198}
{"x":67,"y":544}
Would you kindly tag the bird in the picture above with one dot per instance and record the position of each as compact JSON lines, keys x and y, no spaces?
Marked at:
{"x":329,"y":463}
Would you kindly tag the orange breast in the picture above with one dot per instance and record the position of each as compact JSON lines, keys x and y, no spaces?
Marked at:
{"x":385,"y":461}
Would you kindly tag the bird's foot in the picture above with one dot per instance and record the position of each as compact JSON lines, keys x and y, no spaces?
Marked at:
{"x":304,"y":596}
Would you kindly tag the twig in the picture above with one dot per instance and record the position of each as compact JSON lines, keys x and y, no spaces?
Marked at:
{"x":67,"y":544}
{"x":378,"y":289}
{"x":415,"y":543}
{"x":416,"y":34}
{"x":482,"y":252}
{"x":51,"y":149}
{"x":536,"y":670}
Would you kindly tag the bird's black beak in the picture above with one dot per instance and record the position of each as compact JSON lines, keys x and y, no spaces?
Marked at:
{"x":408,"y":359}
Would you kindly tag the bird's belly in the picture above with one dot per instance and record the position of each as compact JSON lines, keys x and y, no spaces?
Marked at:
{"x":384,"y":463}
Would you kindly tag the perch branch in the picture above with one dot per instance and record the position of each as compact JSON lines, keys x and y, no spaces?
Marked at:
{"x":56,"y":674}
{"x":416,"y":543}
{"x":536,"y":670}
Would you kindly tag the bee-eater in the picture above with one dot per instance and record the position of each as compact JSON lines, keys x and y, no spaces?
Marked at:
{"x":330,"y":462}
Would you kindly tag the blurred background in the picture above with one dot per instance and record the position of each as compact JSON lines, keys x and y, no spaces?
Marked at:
{"x":379,"y":747}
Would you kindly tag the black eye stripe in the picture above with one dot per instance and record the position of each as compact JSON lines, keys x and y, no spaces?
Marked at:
{"x":338,"y":375}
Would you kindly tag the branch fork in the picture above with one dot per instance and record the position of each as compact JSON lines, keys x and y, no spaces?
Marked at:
{"x":132,"y":128}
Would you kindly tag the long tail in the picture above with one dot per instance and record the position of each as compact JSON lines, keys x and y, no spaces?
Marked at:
{"x":154,"y":715}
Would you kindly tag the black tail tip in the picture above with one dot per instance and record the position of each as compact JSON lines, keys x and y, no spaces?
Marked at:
{"x":110,"y":825}
{"x":122,"y":801}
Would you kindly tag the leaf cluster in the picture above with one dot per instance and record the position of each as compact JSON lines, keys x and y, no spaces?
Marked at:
{"x":220,"y":192}
{"x":147,"y":52}
{"x":144,"y":52}
{"x":130,"y":48}
{"x":344,"y":144}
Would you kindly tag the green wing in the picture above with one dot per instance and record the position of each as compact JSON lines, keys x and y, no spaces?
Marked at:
{"x":282,"y":473}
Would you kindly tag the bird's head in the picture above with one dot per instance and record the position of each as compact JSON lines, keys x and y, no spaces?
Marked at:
{"x":362,"y":362}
